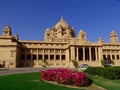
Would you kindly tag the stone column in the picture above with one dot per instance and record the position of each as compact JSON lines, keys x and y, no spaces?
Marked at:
{"x":72,"y":53}
{"x":60,"y":55}
{"x":83,"y":53}
{"x":96,"y":53}
{"x":37,"y":55}
{"x":100,"y":55}
{"x":37,"y":58}
{"x":54,"y":56}
{"x":67,"y":55}
{"x":31,"y":54}
{"x":106,"y":54}
{"x":77,"y":54}
{"x":67,"y":58}
{"x":111,"y":55}
{"x":49,"y":55}
{"x":43,"y":54}
{"x":115,"y":55}
{"x":119,"y":54}
{"x":90,"y":53}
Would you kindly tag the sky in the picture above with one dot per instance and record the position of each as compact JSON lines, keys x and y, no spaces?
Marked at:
{"x":30,"y":18}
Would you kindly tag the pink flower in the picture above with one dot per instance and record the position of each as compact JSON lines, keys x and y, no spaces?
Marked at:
{"x":65,"y":76}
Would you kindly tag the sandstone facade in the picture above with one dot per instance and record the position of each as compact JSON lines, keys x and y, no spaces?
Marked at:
{"x":59,"y":47}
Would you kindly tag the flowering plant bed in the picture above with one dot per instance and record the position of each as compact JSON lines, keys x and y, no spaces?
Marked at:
{"x":66,"y":77}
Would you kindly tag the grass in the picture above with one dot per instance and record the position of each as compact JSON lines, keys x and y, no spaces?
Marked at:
{"x":27,"y":81}
{"x":32,"y":81}
{"x":105,"y":83}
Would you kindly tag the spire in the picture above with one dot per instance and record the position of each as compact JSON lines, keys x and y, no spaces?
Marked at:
{"x":62,"y":18}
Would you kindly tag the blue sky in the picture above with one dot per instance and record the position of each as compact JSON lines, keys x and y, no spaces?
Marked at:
{"x":30,"y":18}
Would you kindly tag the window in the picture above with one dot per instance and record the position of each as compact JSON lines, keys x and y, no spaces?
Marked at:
{"x":22,"y":56}
{"x":57,"y":51}
{"x":113,"y":57}
{"x":83,"y":36}
{"x":28,"y":51}
{"x":104,"y":57}
{"x":51,"y":57}
{"x":117,"y":57}
{"x":57,"y":57}
{"x":62,"y":51}
{"x":63,"y":57}
{"x":51,"y":51}
{"x":46,"y":57}
{"x":34,"y":57}
{"x":40,"y":57}
{"x":34,"y":51}
{"x":28,"y":57}
{"x":13,"y":53}
{"x":40,"y":51}
{"x":46,"y":51}
{"x":108,"y":56}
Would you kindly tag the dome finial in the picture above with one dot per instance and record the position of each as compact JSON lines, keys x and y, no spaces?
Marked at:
{"x":62,"y":18}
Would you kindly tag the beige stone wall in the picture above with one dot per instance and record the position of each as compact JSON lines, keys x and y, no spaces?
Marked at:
{"x":59,"y":48}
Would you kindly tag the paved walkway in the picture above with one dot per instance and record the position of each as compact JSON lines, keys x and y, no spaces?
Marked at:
{"x":20,"y":70}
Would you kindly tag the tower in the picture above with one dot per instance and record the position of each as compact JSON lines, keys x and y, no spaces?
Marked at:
{"x":7,"y":31}
{"x":82,"y":35}
{"x":114,"y":37}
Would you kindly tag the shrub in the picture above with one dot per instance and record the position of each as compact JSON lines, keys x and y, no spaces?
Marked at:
{"x":65,"y":76}
{"x":106,"y":72}
{"x":75,"y":63}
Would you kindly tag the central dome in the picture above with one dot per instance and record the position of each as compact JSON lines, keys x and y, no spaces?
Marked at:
{"x":62,"y":23}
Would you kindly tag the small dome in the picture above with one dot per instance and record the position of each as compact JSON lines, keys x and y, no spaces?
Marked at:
{"x":7,"y":28}
{"x":113,"y":32}
{"x":47,"y":30}
{"x":62,"y":23}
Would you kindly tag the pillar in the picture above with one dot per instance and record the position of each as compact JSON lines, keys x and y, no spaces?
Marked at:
{"x":77,"y":53}
{"x":60,"y":56}
{"x":83,"y":53}
{"x":90,"y":53}
{"x":115,"y":55}
{"x":72,"y":53}
{"x":96,"y":53}
{"x":43,"y":54}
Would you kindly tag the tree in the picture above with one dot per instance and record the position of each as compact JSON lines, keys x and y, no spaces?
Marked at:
{"x":75,"y":63}
{"x":44,"y":63}
{"x":107,"y":62}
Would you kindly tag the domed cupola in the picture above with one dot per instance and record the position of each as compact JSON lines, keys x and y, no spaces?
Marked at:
{"x":62,"y":23}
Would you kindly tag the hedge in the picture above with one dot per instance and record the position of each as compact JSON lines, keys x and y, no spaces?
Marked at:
{"x":105,"y":72}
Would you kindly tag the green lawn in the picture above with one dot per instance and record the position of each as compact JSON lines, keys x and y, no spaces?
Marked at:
{"x":105,"y":83}
{"x":32,"y":81}
{"x":28,"y":81}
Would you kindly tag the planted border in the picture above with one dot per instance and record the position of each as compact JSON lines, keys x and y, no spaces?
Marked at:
{"x":111,"y":73}
{"x":66,"y":77}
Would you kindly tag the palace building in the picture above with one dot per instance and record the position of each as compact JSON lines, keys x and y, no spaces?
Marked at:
{"x":59,"y":48}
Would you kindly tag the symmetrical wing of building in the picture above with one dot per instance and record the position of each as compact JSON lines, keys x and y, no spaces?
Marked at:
{"x":59,"y":47}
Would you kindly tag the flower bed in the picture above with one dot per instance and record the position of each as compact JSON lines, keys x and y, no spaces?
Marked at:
{"x":66,"y":77}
